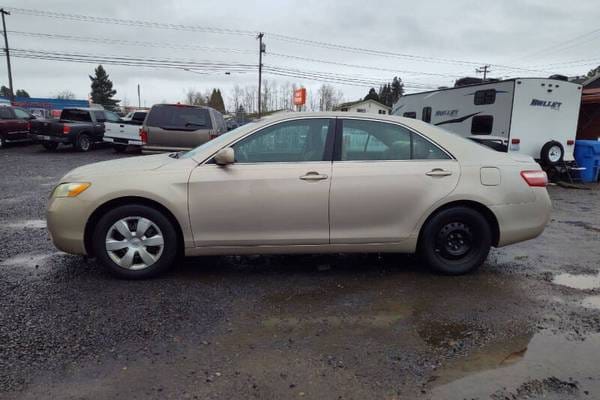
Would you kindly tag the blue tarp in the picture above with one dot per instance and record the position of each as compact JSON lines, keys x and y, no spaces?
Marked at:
{"x":47,"y":104}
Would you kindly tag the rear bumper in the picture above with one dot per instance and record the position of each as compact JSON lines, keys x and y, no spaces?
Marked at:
{"x":523,"y":221}
{"x":123,"y":141}
{"x":46,"y":138}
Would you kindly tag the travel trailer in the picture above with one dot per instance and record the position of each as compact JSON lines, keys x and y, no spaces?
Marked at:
{"x":533,"y":116}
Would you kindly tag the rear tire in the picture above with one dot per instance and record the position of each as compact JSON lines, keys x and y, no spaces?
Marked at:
{"x":147,"y":248}
{"x":84,"y":142}
{"x":50,"y":146}
{"x":455,"y":241}
{"x":119,"y":148}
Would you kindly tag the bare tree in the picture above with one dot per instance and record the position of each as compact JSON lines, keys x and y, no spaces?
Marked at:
{"x":196,"y":98}
{"x":65,"y":95}
{"x":237,"y":97}
{"x":329,"y":97}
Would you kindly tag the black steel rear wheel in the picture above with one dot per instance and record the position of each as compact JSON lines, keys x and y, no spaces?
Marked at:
{"x":455,"y":241}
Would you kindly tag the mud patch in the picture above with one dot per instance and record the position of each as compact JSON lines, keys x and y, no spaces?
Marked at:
{"x":582,"y":224}
{"x":27,"y":260}
{"x":581,"y":282}
{"x":548,"y":388}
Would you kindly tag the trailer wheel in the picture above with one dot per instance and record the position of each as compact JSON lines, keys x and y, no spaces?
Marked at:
{"x":552,"y":153}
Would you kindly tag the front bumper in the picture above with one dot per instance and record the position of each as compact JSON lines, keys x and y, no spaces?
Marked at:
{"x":66,"y":218}
{"x":523,"y":221}
{"x":46,"y":138}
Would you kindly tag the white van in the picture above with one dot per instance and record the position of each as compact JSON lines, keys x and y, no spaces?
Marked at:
{"x":533,"y":116}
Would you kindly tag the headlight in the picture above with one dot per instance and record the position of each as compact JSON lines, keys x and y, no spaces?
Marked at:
{"x":70,"y":189}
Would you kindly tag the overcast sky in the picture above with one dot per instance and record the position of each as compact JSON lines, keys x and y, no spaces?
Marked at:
{"x":538,"y":36}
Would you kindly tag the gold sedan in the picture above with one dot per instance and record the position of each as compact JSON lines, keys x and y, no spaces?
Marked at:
{"x":304,"y":183}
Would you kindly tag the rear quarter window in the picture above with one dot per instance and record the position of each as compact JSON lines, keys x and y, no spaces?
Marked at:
{"x":182,"y":118}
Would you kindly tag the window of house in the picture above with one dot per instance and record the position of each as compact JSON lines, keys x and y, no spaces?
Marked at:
{"x":344,"y":109}
{"x":291,"y":141}
{"x":382,"y":112}
{"x":410,"y":114}
{"x":487,"y":96}
{"x":361,"y":110}
{"x":426,"y":114}
{"x":482,"y":124}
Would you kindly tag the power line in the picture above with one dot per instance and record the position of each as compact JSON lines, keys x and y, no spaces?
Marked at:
{"x":136,"y":43}
{"x":274,"y":36}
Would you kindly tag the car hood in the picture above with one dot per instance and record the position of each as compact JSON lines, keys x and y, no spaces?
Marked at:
{"x":121,"y":166}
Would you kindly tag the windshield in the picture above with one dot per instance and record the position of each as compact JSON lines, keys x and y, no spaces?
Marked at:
{"x":218,"y":141}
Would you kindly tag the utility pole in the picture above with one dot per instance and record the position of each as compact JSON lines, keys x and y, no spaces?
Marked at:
{"x":261,"y":50}
{"x":10,"y":82}
{"x":485,"y":69}
{"x":139,"y":98}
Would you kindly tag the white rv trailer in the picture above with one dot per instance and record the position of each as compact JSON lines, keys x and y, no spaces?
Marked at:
{"x":534,"y":116}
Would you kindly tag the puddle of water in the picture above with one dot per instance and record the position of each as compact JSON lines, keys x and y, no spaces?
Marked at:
{"x":581,"y":282}
{"x":29,"y":260}
{"x":591,"y":302}
{"x":549,"y":366}
{"x":28,"y":224}
{"x":375,"y":321}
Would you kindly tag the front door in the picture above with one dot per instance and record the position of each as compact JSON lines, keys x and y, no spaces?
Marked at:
{"x":385,"y":177}
{"x":276,"y":193}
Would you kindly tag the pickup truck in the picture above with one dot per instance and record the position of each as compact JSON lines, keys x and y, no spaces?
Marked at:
{"x":80,"y":127}
{"x":125,"y":132}
{"x":14,"y":125}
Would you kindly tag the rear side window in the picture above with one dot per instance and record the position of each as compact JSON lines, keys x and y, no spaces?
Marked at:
{"x":182,"y":118}
{"x":426,"y":114}
{"x":76,"y":115}
{"x":482,"y":124}
{"x":487,"y":96}
{"x":5,"y":113}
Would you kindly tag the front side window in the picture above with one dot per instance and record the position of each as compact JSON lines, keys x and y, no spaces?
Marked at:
{"x":21,"y":114}
{"x":482,"y":125}
{"x":291,"y":141}
{"x":487,"y":96}
{"x":5,"y":113}
{"x":372,"y":140}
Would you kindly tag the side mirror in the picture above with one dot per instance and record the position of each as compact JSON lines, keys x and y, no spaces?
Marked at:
{"x":225,"y":156}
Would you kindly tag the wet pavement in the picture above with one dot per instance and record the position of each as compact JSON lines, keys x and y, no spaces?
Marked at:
{"x":526,"y":325}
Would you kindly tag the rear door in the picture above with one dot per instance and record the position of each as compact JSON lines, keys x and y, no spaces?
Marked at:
{"x":385,"y":177}
{"x":178,"y":126}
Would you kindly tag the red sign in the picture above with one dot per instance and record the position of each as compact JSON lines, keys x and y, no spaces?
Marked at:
{"x":299,"y":96}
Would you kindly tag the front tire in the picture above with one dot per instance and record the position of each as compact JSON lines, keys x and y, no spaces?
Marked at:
{"x":455,"y":241}
{"x":135,"y":242}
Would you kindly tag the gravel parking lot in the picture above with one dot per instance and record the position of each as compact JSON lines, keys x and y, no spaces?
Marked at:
{"x":526,"y":325}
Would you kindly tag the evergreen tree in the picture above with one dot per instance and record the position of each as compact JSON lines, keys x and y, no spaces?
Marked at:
{"x":372,"y":95}
{"x":397,"y":89}
{"x":385,"y":94}
{"x":102,"y":89}
{"x":216,"y":100}
{"x":4,"y":91}
{"x":22,"y":93}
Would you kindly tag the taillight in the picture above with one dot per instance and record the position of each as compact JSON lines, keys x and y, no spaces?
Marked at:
{"x":143,"y":135}
{"x":29,"y":126}
{"x":570,"y":142}
{"x":66,"y":129}
{"x":535,"y":178}
{"x":515,"y":141}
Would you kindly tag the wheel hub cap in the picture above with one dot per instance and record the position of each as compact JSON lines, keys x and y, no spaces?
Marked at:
{"x":454,"y":240}
{"x":134,"y":243}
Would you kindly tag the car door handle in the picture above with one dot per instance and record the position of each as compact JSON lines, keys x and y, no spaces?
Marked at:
{"x":313,"y":176}
{"x":438,"y":172}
